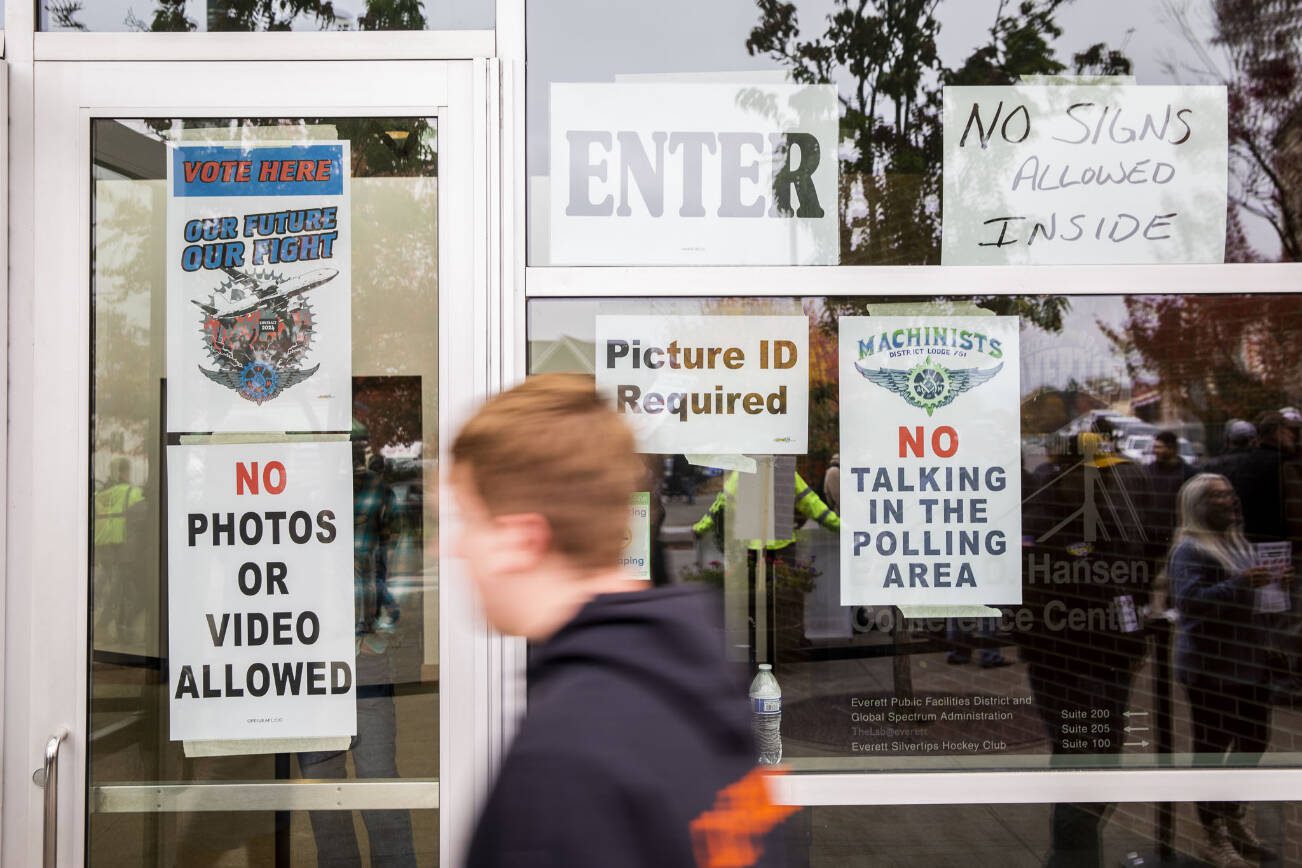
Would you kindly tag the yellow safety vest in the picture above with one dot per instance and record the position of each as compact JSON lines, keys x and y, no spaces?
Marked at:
{"x":808,"y":504}
{"x":111,"y":505}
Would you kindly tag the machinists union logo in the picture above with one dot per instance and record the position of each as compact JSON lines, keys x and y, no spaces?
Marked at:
{"x":928,"y":385}
{"x":257,"y":328}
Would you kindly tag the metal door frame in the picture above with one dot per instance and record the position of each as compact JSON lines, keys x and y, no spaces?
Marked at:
{"x":46,"y":661}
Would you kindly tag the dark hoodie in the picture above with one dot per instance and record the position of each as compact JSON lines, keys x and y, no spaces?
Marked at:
{"x":635,"y":726}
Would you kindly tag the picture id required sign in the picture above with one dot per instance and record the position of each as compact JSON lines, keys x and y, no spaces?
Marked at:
{"x":663,"y":173}
{"x":708,"y":384}
{"x":1084,"y":173}
{"x":930,"y":461}
{"x":259,"y":293}
{"x":260,"y":591}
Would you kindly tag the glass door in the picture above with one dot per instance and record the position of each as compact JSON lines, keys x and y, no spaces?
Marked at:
{"x":240,"y":368}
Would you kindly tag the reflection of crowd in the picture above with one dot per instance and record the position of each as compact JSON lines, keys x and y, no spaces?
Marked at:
{"x":374,"y":749}
{"x":1119,"y":553}
{"x":1101,"y":533}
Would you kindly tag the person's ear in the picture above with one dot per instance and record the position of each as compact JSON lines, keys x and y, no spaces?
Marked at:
{"x":525,"y":539}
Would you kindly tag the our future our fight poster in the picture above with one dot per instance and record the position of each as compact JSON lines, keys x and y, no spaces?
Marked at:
{"x":258,"y":287}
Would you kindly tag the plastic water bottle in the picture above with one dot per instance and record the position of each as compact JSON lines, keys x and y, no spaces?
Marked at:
{"x":766,"y":715}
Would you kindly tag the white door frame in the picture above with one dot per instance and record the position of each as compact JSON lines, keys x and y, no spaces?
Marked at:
{"x":47,"y":559}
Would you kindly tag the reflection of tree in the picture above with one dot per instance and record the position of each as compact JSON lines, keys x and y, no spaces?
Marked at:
{"x":1262,"y":42}
{"x":63,"y":14}
{"x":1044,"y":311}
{"x":126,"y":273}
{"x":392,"y":15}
{"x":389,"y":408}
{"x":250,"y":15}
{"x":1215,"y":356}
{"x":889,"y":116}
{"x":1098,"y":59}
{"x":169,"y":16}
{"x":244,"y":15}
{"x":890,"y":125}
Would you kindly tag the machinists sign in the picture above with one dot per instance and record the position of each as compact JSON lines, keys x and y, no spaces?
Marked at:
{"x":930,"y":458}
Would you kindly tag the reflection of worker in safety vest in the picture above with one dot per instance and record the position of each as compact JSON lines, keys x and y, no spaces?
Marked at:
{"x":807,"y":503}
{"x":112,"y":545}
{"x":111,"y":505}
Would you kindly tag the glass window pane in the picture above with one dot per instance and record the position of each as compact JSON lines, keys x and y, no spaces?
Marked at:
{"x":890,"y":63}
{"x":185,"y":16}
{"x":1116,"y":655}
{"x":391,"y":619}
{"x":1124,"y":834}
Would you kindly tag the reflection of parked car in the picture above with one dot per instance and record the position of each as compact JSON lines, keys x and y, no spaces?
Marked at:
{"x":1138,"y":448}
{"x":1130,"y":426}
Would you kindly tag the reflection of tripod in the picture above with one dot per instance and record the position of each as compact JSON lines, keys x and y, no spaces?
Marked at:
{"x":1087,"y":557}
{"x":1093,"y":485}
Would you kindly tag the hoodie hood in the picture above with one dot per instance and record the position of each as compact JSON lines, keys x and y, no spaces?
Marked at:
{"x":668,"y":639}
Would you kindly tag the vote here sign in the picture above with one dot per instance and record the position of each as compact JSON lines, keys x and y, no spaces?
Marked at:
{"x":1074,"y":173}
{"x":259,"y":287}
{"x":260,"y":591}
{"x":930,"y":461}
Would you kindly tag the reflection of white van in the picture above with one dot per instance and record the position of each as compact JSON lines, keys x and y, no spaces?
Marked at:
{"x":1138,"y":448}
{"x":1129,"y":426}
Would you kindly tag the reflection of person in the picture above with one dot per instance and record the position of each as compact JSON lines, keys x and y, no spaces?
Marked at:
{"x":1256,"y":474}
{"x":1165,"y":476}
{"x":832,"y":484}
{"x":684,"y":476}
{"x":115,"y":503}
{"x":375,"y":513}
{"x":1265,"y":482}
{"x":964,"y":634}
{"x":1085,"y":584}
{"x":636,"y":750}
{"x":653,"y":484}
{"x":1220,"y":651}
{"x":808,"y":504}
{"x":374,"y":748}
{"x":776,"y":552}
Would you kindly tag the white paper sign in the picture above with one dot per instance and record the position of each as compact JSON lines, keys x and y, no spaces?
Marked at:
{"x":712,"y":384}
{"x":693,"y":174}
{"x":1278,"y":558}
{"x":1099,"y":173}
{"x":259,"y":274}
{"x":636,"y":558}
{"x":260,"y":591}
{"x":930,"y":463}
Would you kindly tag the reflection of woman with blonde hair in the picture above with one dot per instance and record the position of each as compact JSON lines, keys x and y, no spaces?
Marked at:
{"x":1221,"y":651}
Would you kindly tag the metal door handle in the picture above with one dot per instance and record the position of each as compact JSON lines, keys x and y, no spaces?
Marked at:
{"x":48,"y":778}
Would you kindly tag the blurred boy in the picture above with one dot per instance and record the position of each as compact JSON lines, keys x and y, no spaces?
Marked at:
{"x":636,"y":750}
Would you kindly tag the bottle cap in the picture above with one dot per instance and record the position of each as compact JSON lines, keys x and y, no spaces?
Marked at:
{"x":765,"y":666}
